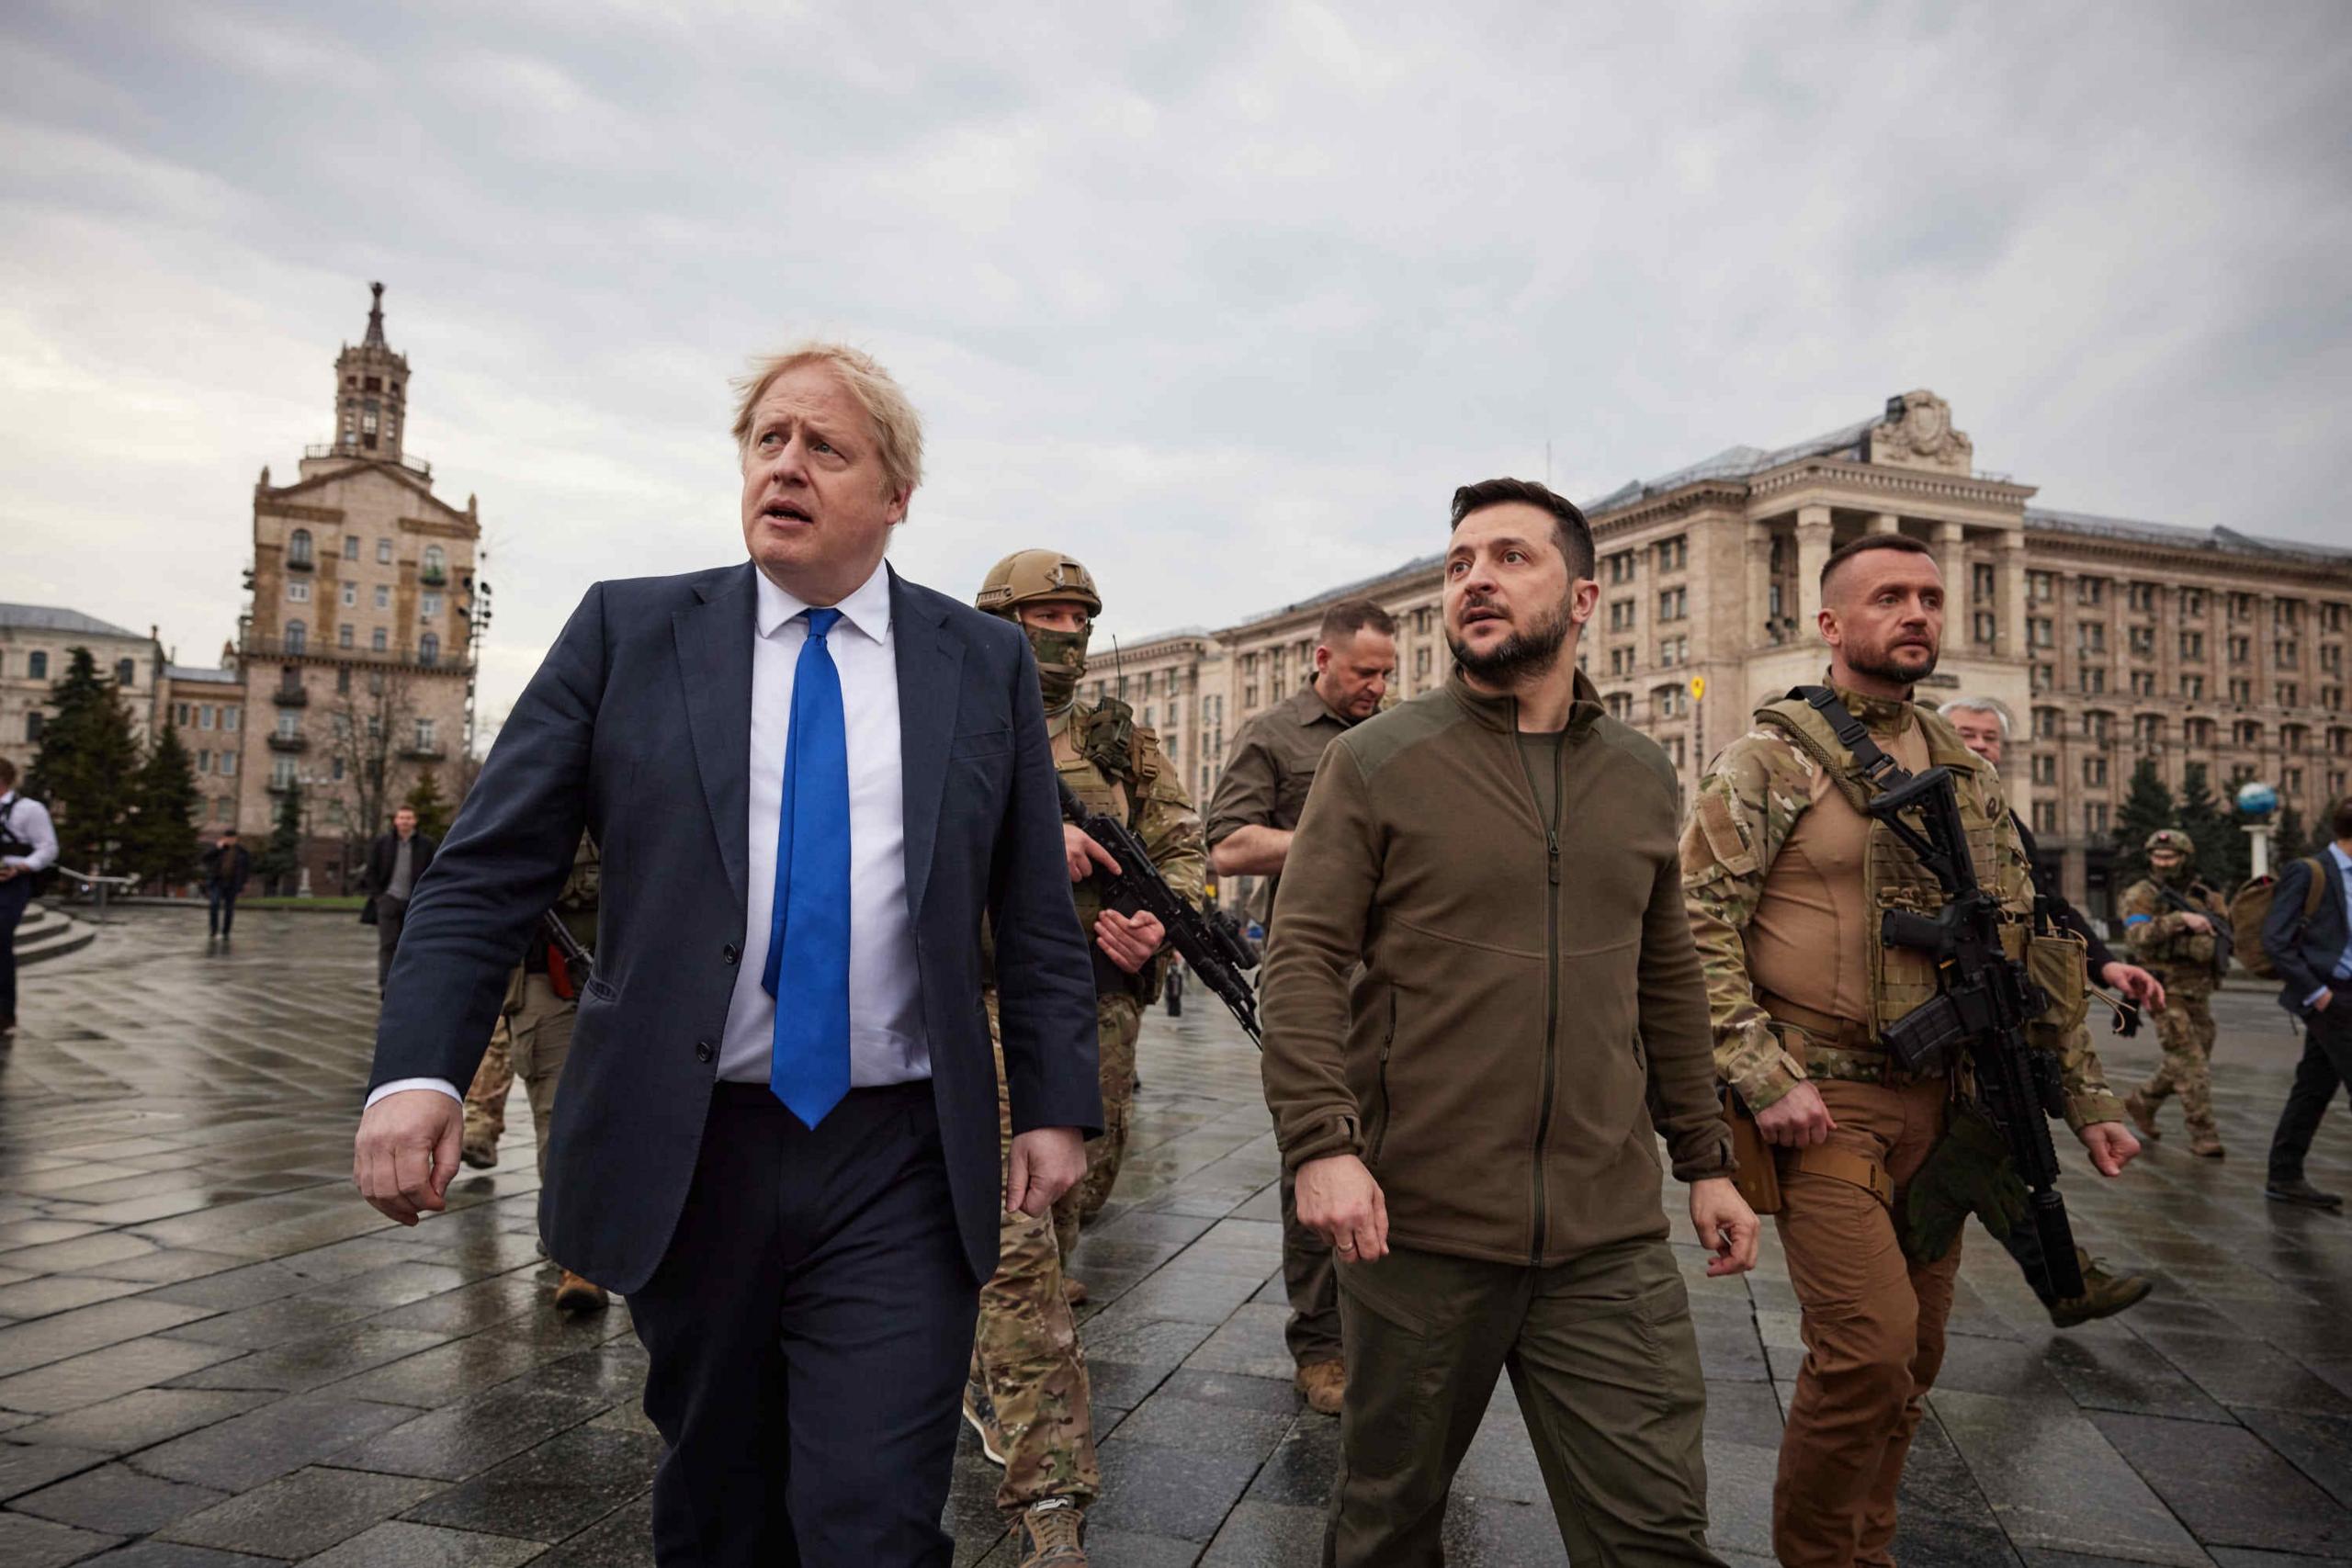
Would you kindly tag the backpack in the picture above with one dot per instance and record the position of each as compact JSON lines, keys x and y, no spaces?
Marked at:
{"x":2251,"y":907}
{"x":42,"y":880}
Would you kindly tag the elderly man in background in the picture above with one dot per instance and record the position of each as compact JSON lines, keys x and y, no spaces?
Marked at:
{"x":777,"y":1129}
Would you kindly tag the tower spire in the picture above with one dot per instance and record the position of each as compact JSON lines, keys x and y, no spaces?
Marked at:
{"x":375,"y":338}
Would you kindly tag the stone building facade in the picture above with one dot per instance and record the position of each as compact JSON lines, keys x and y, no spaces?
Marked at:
{"x":2103,"y":638}
{"x":36,"y":644}
{"x":356,"y":650}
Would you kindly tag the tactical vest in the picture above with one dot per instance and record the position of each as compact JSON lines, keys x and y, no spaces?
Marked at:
{"x":1102,"y":758}
{"x":2185,"y":950}
{"x":1901,"y":978}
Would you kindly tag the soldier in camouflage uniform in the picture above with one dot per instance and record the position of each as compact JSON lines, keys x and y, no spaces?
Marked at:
{"x":1784,"y":878}
{"x":2178,"y":947}
{"x":1027,"y":1396}
{"x":532,"y":1041}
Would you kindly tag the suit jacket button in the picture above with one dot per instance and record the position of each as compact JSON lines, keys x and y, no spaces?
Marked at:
{"x":729,"y":953}
{"x":703,"y":1053}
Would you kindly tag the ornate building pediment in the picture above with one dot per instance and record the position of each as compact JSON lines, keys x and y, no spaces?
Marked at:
{"x":1916,"y":432}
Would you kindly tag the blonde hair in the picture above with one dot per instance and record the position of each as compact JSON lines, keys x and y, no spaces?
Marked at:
{"x":898,"y":428}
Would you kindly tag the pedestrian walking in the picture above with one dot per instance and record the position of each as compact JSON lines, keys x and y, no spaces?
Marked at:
{"x":1482,"y":1008}
{"x":2175,"y":923}
{"x":1253,"y":818}
{"x":2309,"y":941}
{"x":396,"y":862}
{"x":27,"y":848}
{"x":227,"y":865}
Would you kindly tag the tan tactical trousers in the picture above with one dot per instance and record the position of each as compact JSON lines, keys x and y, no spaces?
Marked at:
{"x":2185,"y":1029}
{"x":1873,"y":1329}
{"x":1118,"y":1022}
{"x":532,"y":1041}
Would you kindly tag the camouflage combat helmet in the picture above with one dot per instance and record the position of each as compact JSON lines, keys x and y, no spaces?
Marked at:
{"x":1030,"y":577}
{"x":2171,"y":839}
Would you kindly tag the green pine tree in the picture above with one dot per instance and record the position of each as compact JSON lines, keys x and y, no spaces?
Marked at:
{"x":161,"y":838}
{"x":88,"y":767}
{"x":2210,"y":823}
{"x":280,"y":864}
{"x":2290,"y":840}
{"x":433,"y":809}
{"x":2148,"y":805}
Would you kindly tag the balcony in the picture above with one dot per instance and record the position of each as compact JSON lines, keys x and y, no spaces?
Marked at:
{"x":353,"y":449}
{"x":301,"y":563}
{"x":290,"y":697}
{"x":434,"y":577}
{"x":289,"y":742}
{"x":442,"y":659}
{"x":434,"y":753}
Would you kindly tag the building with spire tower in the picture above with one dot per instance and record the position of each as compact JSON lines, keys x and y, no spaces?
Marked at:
{"x":356,"y":650}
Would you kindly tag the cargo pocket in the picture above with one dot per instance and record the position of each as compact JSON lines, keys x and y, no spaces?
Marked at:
{"x":1397,"y":1386}
{"x":2056,"y":963}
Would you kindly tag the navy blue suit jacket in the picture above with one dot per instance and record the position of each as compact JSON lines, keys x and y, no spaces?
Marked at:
{"x":638,"y":726}
{"x":2305,"y":952}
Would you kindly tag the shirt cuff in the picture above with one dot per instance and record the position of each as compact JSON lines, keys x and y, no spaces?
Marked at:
{"x":2089,"y":1110}
{"x":2312,"y":1000}
{"x":401,"y":1086}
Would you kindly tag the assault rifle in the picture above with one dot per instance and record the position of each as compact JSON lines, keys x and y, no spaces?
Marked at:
{"x":1986,"y":1002}
{"x":2223,"y":937}
{"x":1216,"y":954}
{"x":579,"y":964}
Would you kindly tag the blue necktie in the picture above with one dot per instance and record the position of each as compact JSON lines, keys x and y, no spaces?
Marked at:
{"x":807,"y":967}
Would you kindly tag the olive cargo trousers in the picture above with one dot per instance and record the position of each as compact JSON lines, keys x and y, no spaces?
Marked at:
{"x":1604,"y":1360}
{"x":1873,"y":1327}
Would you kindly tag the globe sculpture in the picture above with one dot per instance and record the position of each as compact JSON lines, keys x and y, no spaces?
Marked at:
{"x":2256,"y":799}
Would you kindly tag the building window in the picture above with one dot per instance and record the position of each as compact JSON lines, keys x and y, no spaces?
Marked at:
{"x":1620,"y":567}
{"x":229,"y":718}
{"x":289,"y":726}
{"x":2240,"y":691}
{"x":351,"y":595}
{"x":297,"y":592}
{"x":2192,"y":687}
{"x":2095,"y":818}
{"x":436,"y":564}
{"x":1674,"y":554}
{"x":2192,"y":602}
{"x":2045,"y":817}
{"x":2095,"y":726}
{"x":2090,"y":589}
{"x":2148,"y":730}
{"x":2143,"y":597}
{"x":2092,"y":679}
{"x":383,"y":597}
{"x":228,"y":765}
{"x":1980,"y":578}
{"x":2041,"y":587}
{"x":2041,"y":632}
{"x":378,"y":641}
{"x":2090,"y":636}
{"x":2095,"y":770}
{"x":344,"y":635}
{"x":343,"y":682}
{"x":384,"y":552}
{"x":1620,"y":615}
{"x":204,"y":713}
{"x":2045,"y":677}
{"x":351,"y":547}
{"x":298,"y":548}
{"x":32,"y":726}
{"x":430,"y":607}
{"x":126,"y":674}
{"x":2143,"y":642}
{"x":183,"y":714}
{"x":2193,"y":645}
{"x":424,"y":735}
{"x":2284,"y":694}
{"x":297,"y":637}
{"x":1988,"y":627}
{"x":2045,"y":768}
{"x":2143,"y":683}
{"x":36,"y":665}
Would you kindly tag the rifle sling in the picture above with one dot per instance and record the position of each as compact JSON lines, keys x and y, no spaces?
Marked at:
{"x":1882,"y":771}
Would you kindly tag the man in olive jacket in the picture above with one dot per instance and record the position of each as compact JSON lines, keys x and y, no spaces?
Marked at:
{"x":1470,"y":1116}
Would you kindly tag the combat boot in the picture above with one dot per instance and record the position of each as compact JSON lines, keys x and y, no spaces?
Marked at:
{"x":2142,"y":1114}
{"x":2104,"y":1294}
{"x":1051,"y":1535}
{"x":1325,"y":1383}
{"x":1074,"y":1290}
{"x":2207,"y":1144}
{"x":573,"y":1293}
{"x":478,"y":1153}
{"x":980,"y":1413}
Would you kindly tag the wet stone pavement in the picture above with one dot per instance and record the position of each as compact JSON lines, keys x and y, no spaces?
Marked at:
{"x":212,"y":1353}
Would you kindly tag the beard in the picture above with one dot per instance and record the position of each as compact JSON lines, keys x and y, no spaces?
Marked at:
{"x":1521,"y":656}
{"x":1880,"y":665}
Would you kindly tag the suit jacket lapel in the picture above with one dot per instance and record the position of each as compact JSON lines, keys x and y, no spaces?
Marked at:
{"x":930,"y":671}
{"x":714,"y":641}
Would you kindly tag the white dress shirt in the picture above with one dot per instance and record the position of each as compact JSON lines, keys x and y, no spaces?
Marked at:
{"x":886,"y":1042}
{"x":886,"y":1035}
{"x":28,"y":820}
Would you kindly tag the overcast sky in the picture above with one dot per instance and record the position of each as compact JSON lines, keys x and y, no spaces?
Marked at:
{"x":1223,"y":298}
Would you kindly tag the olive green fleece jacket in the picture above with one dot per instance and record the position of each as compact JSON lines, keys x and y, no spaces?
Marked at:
{"x":1523,"y":1007}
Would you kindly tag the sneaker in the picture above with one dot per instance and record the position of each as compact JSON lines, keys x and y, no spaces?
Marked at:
{"x":1074,"y":1290}
{"x":2207,"y":1145}
{"x":477,"y":1154}
{"x":2142,"y":1114}
{"x":1051,"y":1535}
{"x":2301,"y":1191}
{"x":2104,"y":1294}
{"x":980,"y":1413}
{"x":1325,"y":1383}
{"x":573,"y":1293}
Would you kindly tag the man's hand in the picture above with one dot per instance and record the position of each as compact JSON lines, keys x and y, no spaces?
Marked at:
{"x":1727,"y":1225}
{"x":2111,"y":1146}
{"x":1083,"y":855}
{"x":2320,"y":1003}
{"x":2135,"y":983}
{"x":2197,"y":924}
{"x":1798,"y":1119}
{"x":1046,"y":1162}
{"x":7,"y":873}
{"x":1340,"y":1200}
{"x":1129,"y":940}
{"x":407,"y":1151}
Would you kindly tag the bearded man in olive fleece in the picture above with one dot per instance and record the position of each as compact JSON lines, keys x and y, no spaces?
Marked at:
{"x":1470,"y":1115}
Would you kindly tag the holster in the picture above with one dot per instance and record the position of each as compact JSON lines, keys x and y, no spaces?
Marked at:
{"x":1758,"y":1177}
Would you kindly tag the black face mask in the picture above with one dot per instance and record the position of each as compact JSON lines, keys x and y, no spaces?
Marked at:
{"x":1061,"y":664}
